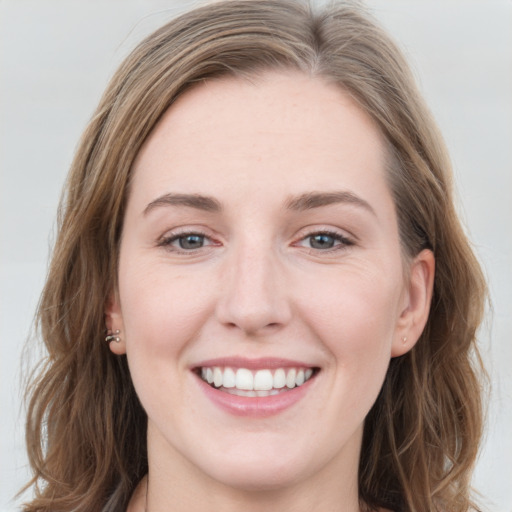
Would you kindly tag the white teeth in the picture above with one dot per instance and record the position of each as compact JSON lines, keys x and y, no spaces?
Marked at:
{"x":280,"y":378}
{"x":217,"y":377}
{"x":244,"y":379}
{"x":268,"y":393}
{"x":229,"y":380}
{"x":263,"y":380}
{"x":241,"y":392}
{"x":290,"y":378}
{"x":245,"y":382}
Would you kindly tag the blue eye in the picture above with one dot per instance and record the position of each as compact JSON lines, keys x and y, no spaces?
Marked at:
{"x":185,"y":242}
{"x":322,"y":241}
{"x":190,"y":242}
{"x":325,"y":241}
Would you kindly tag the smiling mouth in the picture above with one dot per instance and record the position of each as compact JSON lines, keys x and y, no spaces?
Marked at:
{"x":253,"y":383}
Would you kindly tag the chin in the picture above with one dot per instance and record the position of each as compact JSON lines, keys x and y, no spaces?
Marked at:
{"x":257,"y":473}
{"x":258,"y":480}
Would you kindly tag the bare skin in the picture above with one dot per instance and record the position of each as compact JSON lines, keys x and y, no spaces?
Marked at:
{"x":291,"y":253}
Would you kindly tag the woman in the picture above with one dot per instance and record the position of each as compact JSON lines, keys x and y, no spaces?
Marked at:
{"x":260,"y":216}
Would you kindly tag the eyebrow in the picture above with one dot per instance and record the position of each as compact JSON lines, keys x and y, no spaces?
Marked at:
{"x":303,"y":202}
{"x":197,"y":201}
{"x":313,"y":200}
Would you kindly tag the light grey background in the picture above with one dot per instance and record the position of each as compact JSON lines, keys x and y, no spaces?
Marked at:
{"x":55,"y":59}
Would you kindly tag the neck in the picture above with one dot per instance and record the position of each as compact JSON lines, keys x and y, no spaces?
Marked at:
{"x":174,"y":482}
{"x":146,"y":499}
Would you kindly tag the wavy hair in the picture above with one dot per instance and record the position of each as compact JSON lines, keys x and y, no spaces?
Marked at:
{"x":86,"y":430}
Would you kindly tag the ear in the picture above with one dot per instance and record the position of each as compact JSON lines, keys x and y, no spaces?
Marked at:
{"x":114,"y":322}
{"x":416,"y":304}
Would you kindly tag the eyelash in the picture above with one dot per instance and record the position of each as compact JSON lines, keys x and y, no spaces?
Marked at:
{"x":167,"y":241}
{"x":344,"y":241}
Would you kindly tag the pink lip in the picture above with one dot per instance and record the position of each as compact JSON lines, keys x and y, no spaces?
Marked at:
{"x":252,"y":364}
{"x":259,"y":406}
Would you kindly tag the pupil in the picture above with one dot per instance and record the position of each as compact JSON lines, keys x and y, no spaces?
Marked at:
{"x":191,"y":241}
{"x":322,"y":241}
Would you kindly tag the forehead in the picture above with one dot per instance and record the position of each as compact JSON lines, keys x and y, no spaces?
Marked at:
{"x":280,"y":131}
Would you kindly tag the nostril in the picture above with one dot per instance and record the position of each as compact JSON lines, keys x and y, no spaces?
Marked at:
{"x":253,"y":326}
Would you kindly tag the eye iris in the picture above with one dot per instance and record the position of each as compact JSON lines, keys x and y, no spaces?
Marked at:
{"x":191,"y":241}
{"x":322,"y":241}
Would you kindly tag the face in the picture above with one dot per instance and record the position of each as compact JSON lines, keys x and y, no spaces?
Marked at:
{"x":262,"y":290}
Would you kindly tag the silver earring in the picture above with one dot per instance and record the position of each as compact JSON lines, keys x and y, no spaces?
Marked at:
{"x":113,"y":336}
{"x":404,"y":340}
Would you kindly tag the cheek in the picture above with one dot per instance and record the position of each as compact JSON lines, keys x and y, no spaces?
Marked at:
{"x":163,"y":313}
{"x":358,"y":308}
{"x":355,"y":317}
{"x":162,"y":310}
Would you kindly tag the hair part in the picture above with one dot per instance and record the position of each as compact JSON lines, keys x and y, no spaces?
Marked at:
{"x":86,"y":429}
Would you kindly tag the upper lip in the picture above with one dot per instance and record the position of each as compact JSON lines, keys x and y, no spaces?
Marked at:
{"x":253,"y":364}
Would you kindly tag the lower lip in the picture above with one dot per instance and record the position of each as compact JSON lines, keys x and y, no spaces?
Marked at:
{"x":258,"y":406}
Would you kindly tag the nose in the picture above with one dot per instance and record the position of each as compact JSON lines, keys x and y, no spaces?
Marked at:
{"x":254,"y":295}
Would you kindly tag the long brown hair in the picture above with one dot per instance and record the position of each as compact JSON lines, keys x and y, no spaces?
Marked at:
{"x":86,"y":430}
